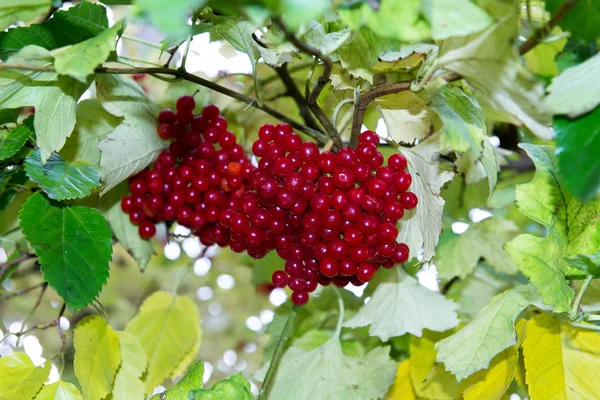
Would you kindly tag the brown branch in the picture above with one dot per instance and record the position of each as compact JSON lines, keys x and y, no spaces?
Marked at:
{"x":25,"y":291}
{"x":541,"y":33}
{"x":54,"y":322}
{"x":7,"y":265}
{"x":319,"y":137}
{"x":294,"y":93}
{"x":319,"y":86}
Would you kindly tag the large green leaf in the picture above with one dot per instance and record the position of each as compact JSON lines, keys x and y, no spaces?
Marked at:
{"x":74,"y":246}
{"x":62,"y":180}
{"x":328,"y":374}
{"x":78,"y":23}
{"x":170,"y":19}
{"x":134,"y":143}
{"x":578,"y":145}
{"x":405,"y":307}
{"x":406,"y":116}
{"x":359,"y":54}
{"x":572,"y":229}
{"x":12,"y":140}
{"x":168,"y":327}
{"x":472,"y":348}
{"x":80,"y":60}
{"x":19,"y":378}
{"x":126,"y":232}
{"x":97,"y":356}
{"x":577,"y":89}
{"x":295,"y":13}
{"x":234,"y":387}
{"x":12,"y":11}
{"x":420,"y":228}
{"x":54,"y":97}
{"x":192,"y":380}
{"x":128,"y":384}
{"x":454,"y":18}
{"x":458,"y":255}
{"x":581,"y":20}
{"x":59,"y":391}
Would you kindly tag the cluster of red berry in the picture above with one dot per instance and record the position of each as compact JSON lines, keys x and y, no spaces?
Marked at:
{"x":332,"y":216}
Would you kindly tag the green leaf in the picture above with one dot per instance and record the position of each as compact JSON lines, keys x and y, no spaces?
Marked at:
{"x":541,"y":59}
{"x":62,"y":180}
{"x":472,"y":348}
{"x":294,"y":13}
{"x":572,"y":229}
{"x":458,"y":255}
{"x":54,"y":97}
{"x":578,"y":143}
{"x":407,"y":59}
{"x":405,"y":115}
{"x":420,"y":228}
{"x":233,"y":388}
{"x":462,"y":117}
{"x":171,"y":20}
{"x":19,"y":378}
{"x":80,"y":60}
{"x":59,"y":391}
{"x":168,"y":327}
{"x":74,"y":246}
{"x":489,"y":63}
{"x":128,"y":385}
{"x":12,"y":141}
{"x":581,"y":20}
{"x":577,"y":89}
{"x":454,"y":18}
{"x":367,"y":377}
{"x":134,"y":143}
{"x":192,"y":380}
{"x":93,"y":124}
{"x":590,"y":264}
{"x":97,"y":356}
{"x":13,"y":11}
{"x":125,"y":232}
{"x":83,"y":21}
{"x":359,"y":54}
{"x":405,"y":307}
{"x":327,"y":42}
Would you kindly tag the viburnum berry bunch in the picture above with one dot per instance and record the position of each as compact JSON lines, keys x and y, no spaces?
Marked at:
{"x":332,"y":216}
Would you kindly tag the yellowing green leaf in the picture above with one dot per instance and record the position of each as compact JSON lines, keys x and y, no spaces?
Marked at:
{"x":540,"y":59}
{"x":561,"y":362}
{"x":572,"y":229}
{"x":359,"y":54}
{"x":97,"y":356}
{"x":328,"y":375}
{"x":13,"y":11}
{"x":405,"y":307}
{"x":128,"y":385}
{"x":59,"y":391}
{"x":420,"y":228}
{"x":406,"y":60}
{"x":402,"y":388}
{"x":235,"y":387}
{"x":429,"y":378}
{"x":493,"y":382}
{"x":472,"y":348}
{"x":19,"y":378}
{"x":168,"y":327}
{"x":454,"y":18}
{"x":192,"y":380}
{"x":80,"y":60}
{"x":405,"y":116}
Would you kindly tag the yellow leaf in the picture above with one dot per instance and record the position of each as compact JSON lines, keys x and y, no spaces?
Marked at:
{"x":97,"y":356}
{"x":128,"y":385}
{"x":561,"y":362}
{"x":168,"y":327}
{"x":492,"y":383}
{"x":540,"y":60}
{"x":59,"y":391}
{"x":429,"y":378}
{"x":402,"y":388}
{"x":19,"y":378}
{"x":185,"y":362}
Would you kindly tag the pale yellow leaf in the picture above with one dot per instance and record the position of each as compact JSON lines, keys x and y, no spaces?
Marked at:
{"x":20,"y":378}
{"x":128,"y":385}
{"x":59,"y":391}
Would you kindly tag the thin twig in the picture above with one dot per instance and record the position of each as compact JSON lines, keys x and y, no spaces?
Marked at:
{"x":277,"y":354}
{"x":23,"y":291}
{"x":7,"y":265}
{"x":541,"y":33}
{"x":574,"y":312}
{"x":319,"y":137}
{"x":319,"y":86}
{"x":294,"y":93}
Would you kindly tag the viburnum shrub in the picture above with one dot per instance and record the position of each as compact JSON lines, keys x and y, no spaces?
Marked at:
{"x":331,"y":215}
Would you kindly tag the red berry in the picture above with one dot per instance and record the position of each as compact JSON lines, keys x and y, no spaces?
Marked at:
{"x":299,"y":298}
{"x":365,"y":272}
{"x":210,"y":112}
{"x":400,"y":254}
{"x":402,"y":180}
{"x":126,"y":204}
{"x":185,"y":104}
{"x":279,"y":279}
{"x":147,"y":230}
{"x":397,"y":161}
{"x":165,"y":131}
{"x":328,"y":267}
{"x":368,"y":137}
{"x":409,"y":200}
{"x":166,"y":117}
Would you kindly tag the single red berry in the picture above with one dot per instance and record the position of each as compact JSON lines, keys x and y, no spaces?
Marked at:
{"x":402,"y":181}
{"x":147,"y":230}
{"x":126,"y":204}
{"x":165,"y":131}
{"x":166,"y":117}
{"x":210,"y":112}
{"x":279,"y":279}
{"x":365,"y":272}
{"x":388,"y":232}
{"x":328,"y":267}
{"x":347,"y":267}
{"x":409,"y":200}
{"x":309,"y":152}
{"x":369,"y":137}
{"x":400,"y":254}
{"x":137,"y":187}
{"x":327,"y":162}
{"x":185,"y":104}
{"x":299,"y":298}
{"x":397,"y":161}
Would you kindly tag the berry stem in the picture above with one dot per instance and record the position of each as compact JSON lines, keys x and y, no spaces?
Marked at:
{"x":574,"y":313}
{"x":277,"y":354}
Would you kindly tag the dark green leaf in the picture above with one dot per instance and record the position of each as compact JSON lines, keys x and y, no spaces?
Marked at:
{"x":72,"y":26}
{"x":581,"y":20}
{"x":74,"y":246}
{"x":578,"y":146}
{"x":62,"y":180}
{"x":13,"y":140}
{"x":590,"y":264}
{"x":9,"y":115}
